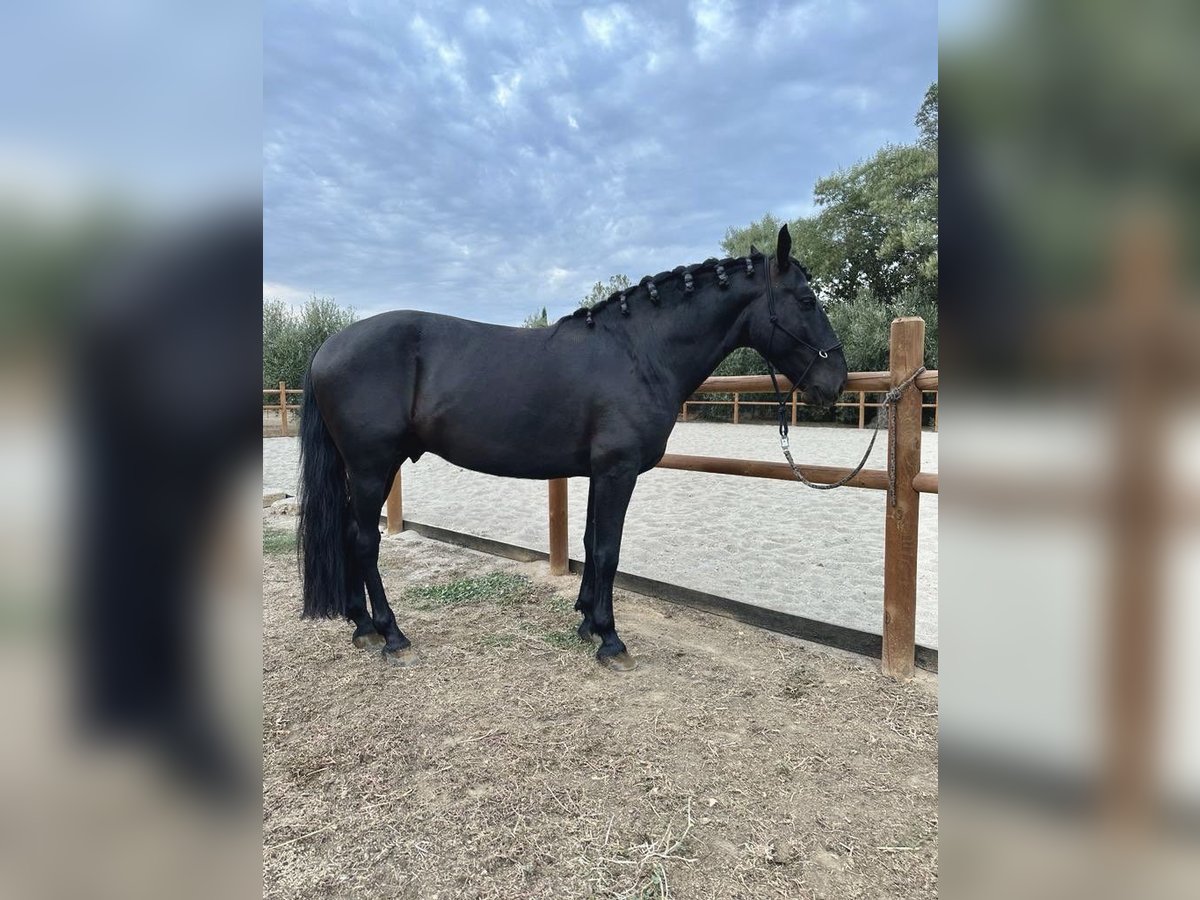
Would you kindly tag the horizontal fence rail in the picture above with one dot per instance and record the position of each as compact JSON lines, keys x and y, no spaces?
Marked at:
{"x":874,"y":479}
{"x":858,"y":384}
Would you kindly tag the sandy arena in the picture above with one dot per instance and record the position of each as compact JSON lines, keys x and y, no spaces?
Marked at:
{"x":733,"y":763}
{"x":766,"y":542}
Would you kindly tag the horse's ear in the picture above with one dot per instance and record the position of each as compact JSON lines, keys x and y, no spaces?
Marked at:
{"x":753,"y":249}
{"x":783,"y":250}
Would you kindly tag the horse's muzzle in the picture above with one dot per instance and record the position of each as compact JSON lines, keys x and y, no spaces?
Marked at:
{"x":817,"y":396}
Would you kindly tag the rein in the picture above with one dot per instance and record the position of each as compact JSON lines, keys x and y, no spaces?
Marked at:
{"x":891,"y":397}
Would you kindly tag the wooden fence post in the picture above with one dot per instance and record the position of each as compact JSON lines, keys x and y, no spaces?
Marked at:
{"x":395,"y":506}
{"x":794,"y":393}
{"x":283,"y":415}
{"x":862,"y":409}
{"x":558,"y":526}
{"x":906,"y":351}
{"x":735,"y":407}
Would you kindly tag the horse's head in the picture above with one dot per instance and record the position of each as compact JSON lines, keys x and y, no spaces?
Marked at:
{"x":788,"y":326}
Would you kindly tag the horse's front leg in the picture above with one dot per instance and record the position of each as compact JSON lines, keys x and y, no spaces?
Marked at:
{"x":611,"y":490}
{"x":587,"y":585}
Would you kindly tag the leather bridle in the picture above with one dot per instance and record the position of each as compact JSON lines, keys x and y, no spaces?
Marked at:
{"x":817,"y":352}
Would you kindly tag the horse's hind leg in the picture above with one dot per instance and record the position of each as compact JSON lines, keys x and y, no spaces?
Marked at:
{"x":368,"y":489}
{"x":365,"y":636}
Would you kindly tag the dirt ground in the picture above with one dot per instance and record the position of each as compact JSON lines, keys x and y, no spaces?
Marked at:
{"x":733,"y":763}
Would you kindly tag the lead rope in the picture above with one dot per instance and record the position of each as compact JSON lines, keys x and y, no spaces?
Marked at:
{"x":890,"y":399}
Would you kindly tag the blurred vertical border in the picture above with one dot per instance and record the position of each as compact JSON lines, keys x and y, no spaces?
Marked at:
{"x":1069,"y":223}
{"x":130,"y":266}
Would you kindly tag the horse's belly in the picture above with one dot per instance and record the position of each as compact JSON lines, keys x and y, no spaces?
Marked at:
{"x":512,"y":445}
{"x":512,"y":462}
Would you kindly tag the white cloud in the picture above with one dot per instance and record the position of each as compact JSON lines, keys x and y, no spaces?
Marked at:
{"x":506,"y":88}
{"x":571,"y":120}
{"x":478,"y":18}
{"x":604,"y":26}
{"x":861,"y":98}
{"x":715,"y":25}
{"x":446,"y":51}
{"x":293,"y":296}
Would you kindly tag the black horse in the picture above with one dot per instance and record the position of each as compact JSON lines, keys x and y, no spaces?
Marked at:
{"x":595,"y":394}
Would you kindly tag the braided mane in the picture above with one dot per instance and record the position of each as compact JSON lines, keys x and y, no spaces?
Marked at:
{"x":732,"y":264}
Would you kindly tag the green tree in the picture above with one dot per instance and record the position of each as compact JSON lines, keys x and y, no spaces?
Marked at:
{"x":927,"y":117}
{"x":291,"y":336}
{"x":537,"y":320}
{"x":760,"y":235}
{"x":864,"y":325}
{"x":602,"y":290}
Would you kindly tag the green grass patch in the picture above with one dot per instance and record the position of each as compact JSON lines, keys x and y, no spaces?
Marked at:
{"x":561,"y":605}
{"x":501,"y":588}
{"x":565,"y":639}
{"x":278,"y":543}
{"x":502,"y":640}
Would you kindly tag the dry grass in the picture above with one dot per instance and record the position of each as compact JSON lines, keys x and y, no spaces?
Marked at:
{"x":732,"y":764}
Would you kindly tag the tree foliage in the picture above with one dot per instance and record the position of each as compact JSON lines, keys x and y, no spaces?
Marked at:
{"x":537,"y":320}
{"x":291,"y":336}
{"x":927,"y":118}
{"x":602,"y":290}
{"x":864,"y":326}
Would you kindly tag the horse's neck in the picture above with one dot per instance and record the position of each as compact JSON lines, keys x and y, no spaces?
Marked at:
{"x":694,"y":337}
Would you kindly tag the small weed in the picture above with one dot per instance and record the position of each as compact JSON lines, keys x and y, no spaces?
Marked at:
{"x":499,"y":639}
{"x":656,"y":886}
{"x":649,"y":886}
{"x":278,"y":543}
{"x":564,"y":639}
{"x":561,"y":605}
{"x":499,"y":587}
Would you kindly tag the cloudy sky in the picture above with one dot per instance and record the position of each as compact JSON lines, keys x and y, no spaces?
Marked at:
{"x":484,"y":160}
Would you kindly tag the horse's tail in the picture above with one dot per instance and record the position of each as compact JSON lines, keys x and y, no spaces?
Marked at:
{"x":324,"y":512}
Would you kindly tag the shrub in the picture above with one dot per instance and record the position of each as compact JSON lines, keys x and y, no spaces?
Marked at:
{"x":291,"y":337}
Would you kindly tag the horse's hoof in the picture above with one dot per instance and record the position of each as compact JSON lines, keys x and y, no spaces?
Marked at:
{"x":620,"y":662}
{"x":403,"y":658}
{"x":367,"y":641}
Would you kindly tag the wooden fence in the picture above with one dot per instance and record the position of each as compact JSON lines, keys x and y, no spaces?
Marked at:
{"x":906,"y":352}
{"x":906,"y":348}
{"x":285,"y":427}
{"x":862,"y":404}
{"x":282,"y":407}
